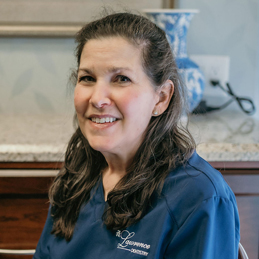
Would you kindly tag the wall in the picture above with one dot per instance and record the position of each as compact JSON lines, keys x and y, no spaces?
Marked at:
{"x":228,"y":27}
{"x":34,"y":75}
{"x":257,"y":67}
{"x":34,"y":71}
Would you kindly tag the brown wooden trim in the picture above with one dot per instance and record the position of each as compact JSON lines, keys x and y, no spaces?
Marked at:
{"x":247,"y":194}
{"x":25,"y":185}
{"x":227,"y":167}
{"x":6,"y":256}
{"x":31,"y":165}
{"x":168,"y":4}
{"x":24,"y":196}
{"x":171,"y":3}
{"x":235,"y":164}
{"x":226,"y":171}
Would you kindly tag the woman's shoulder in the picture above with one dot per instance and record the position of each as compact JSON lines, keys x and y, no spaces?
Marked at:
{"x":188,"y":186}
{"x":196,"y":176}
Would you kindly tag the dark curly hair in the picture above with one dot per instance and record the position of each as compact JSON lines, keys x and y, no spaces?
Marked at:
{"x":167,"y":144}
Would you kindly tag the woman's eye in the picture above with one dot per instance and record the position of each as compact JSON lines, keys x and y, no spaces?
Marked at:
{"x":86,"y":79}
{"x":121,"y":78}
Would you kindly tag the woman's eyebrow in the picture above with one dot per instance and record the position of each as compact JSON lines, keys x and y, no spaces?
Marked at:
{"x":89,"y":71}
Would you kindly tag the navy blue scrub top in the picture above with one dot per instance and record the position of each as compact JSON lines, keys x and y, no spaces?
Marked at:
{"x":196,"y":217}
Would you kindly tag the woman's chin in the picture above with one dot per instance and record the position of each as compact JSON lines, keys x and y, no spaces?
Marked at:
{"x":101,"y":147}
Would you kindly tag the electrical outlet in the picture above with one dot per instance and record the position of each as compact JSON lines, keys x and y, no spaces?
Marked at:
{"x":213,"y":68}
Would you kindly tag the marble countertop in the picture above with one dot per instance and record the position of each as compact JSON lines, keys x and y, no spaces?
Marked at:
{"x":226,"y":136}
{"x":220,"y":136}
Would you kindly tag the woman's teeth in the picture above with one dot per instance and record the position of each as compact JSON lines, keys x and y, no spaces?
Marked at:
{"x":103,"y":120}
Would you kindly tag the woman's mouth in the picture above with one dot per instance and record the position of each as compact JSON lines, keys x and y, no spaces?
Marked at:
{"x":103,"y":120}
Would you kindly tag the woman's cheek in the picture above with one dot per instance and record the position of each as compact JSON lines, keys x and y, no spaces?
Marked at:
{"x":79,"y":102}
{"x":129,"y":100}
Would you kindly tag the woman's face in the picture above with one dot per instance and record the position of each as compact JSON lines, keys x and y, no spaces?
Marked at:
{"x":113,"y":98}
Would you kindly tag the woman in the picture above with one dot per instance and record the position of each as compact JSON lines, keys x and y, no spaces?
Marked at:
{"x":132,"y":185}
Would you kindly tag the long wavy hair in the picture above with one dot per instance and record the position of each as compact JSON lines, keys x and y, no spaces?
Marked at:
{"x":166,"y":145}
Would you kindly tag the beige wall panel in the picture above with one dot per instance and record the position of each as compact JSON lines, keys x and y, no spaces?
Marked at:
{"x":63,"y":11}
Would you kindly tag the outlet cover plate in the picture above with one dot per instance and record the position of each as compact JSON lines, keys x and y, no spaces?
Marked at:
{"x":214,"y":68}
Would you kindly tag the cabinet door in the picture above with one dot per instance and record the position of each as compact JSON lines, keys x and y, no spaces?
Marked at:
{"x":23,"y":210}
{"x":246,"y":189}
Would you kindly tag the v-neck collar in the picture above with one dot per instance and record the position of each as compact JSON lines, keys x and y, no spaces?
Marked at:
{"x":98,"y":192}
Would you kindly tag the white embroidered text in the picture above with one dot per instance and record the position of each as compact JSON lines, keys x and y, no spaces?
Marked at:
{"x":125,"y":244}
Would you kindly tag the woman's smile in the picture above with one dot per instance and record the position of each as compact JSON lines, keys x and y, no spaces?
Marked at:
{"x":102,"y":122}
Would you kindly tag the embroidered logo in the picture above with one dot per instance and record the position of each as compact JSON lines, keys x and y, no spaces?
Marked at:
{"x":130,"y":245}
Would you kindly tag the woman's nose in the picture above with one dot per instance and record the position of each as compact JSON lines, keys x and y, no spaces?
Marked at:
{"x":100,"y":96}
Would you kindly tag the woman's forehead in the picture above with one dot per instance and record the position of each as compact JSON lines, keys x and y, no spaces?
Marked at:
{"x":115,"y":41}
{"x":116,"y":52}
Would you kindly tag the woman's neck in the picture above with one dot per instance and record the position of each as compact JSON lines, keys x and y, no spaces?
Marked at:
{"x":114,"y":172}
{"x":110,"y":179}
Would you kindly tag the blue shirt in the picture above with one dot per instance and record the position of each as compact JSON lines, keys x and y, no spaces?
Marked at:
{"x":195,"y":216}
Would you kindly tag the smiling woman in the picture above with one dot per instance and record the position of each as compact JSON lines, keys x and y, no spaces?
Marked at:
{"x":132,"y":184}
{"x":111,"y":93}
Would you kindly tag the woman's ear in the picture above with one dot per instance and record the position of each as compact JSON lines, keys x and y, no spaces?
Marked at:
{"x":165,"y":93}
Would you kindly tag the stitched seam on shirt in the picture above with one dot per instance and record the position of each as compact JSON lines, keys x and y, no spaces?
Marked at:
{"x":212,"y":197}
{"x":205,"y":174}
{"x":171,"y":213}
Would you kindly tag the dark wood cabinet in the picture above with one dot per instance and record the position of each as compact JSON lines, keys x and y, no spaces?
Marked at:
{"x":24,"y":203}
{"x":23,"y":209}
{"x":243,"y":178}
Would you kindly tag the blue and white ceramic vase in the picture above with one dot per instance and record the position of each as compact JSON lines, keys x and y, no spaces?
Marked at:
{"x":175,"y":22}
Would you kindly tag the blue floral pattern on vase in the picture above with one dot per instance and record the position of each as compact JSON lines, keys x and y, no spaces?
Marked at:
{"x":176,"y":23}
